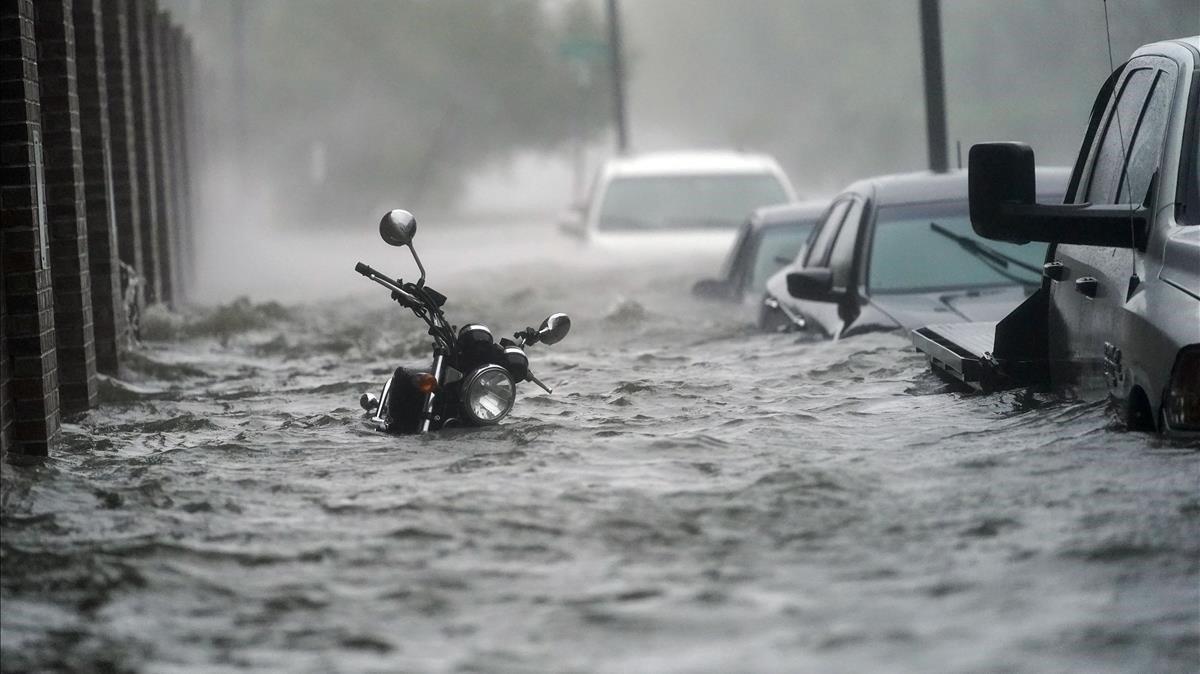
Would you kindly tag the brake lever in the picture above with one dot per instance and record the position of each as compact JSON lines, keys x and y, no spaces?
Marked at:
{"x":526,"y":337}
{"x":397,"y":297}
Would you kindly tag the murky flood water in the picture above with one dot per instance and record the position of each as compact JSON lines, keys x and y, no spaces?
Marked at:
{"x":692,"y":497}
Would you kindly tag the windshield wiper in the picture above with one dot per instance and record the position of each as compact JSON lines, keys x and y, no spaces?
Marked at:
{"x":988,"y":254}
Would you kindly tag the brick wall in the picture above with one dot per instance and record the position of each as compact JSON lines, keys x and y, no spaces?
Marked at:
{"x":159,"y":40}
{"x":65,"y":205}
{"x":190,"y":158}
{"x":28,"y":323}
{"x":177,"y":106}
{"x":108,"y":316}
{"x":139,"y":14}
{"x":95,"y":142}
{"x":122,"y":133}
{"x":6,"y":406}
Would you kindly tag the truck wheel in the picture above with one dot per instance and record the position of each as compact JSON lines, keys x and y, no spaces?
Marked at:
{"x":1138,"y":415}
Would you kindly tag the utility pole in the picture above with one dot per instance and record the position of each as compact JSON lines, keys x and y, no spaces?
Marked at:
{"x":617,"y":62}
{"x":238,"y":38}
{"x":583,"y":77}
{"x":935,"y":85}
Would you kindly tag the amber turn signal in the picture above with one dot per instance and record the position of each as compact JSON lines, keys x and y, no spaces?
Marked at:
{"x":426,"y":383}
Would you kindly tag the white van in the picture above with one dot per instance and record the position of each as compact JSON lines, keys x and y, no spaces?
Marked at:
{"x":677,"y":201}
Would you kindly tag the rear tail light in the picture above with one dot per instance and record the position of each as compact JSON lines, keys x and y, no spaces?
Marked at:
{"x":1181,"y":405}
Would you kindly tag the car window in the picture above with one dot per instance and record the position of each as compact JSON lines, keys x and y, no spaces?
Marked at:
{"x":1146,"y":149}
{"x":909,"y":255}
{"x":1110,"y":157}
{"x":649,"y":203}
{"x":818,"y":252}
{"x":776,"y":248}
{"x":735,"y":259}
{"x":842,"y":256}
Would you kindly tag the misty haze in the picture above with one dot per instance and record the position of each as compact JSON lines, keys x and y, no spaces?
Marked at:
{"x":600,"y":335}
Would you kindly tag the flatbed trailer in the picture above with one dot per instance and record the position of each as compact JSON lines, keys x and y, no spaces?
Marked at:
{"x":991,"y":356}
{"x":960,"y":352}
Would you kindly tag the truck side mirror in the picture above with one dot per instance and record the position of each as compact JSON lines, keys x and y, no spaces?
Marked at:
{"x":814,"y":284}
{"x":1000,"y":183}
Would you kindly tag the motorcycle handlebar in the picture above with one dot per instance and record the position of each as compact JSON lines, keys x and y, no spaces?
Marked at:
{"x":398,"y":293}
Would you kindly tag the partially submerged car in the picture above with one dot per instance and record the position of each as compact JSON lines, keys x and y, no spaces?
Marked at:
{"x":768,"y":241}
{"x":673,"y":201}
{"x":896,"y":252}
{"x":1117,"y":311}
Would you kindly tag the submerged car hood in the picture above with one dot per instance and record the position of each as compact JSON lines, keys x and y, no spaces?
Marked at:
{"x":913,"y":310}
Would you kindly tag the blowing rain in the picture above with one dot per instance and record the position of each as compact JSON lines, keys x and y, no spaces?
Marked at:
{"x":600,"y":335}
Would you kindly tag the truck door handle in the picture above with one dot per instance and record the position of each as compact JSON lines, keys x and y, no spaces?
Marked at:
{"x":1054,"y":271}
{"x":1087,"y":286}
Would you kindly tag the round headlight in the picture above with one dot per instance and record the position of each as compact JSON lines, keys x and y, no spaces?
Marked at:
{"x":488,"y":394}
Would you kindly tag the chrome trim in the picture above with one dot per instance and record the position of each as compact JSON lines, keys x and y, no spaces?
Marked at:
{"x":369,"y":402}
{"x":439,"y":373}
{"x":771,"y":302}
{"x":380,"y":417}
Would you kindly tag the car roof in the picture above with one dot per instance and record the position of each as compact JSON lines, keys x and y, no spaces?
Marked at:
{"x":914,"y":187}
{"x":1193,"y":41}
{"x":780,"y":214}
{"x":691,"y":163}
{"x":926,"y":186}
{"x":1184,"y":50}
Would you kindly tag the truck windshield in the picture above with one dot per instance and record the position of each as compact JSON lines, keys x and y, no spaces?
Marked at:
{"x":686,"y":202}
{"x":910,"y":256}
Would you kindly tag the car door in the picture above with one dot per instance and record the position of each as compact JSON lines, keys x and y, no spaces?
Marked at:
{"x":827,"y":315}
{"x":844,"y":263}
{"x":1091,"y":285}
{"x":733,"y":271}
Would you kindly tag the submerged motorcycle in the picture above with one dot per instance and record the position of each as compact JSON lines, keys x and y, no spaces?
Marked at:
{"x":473,"y":380}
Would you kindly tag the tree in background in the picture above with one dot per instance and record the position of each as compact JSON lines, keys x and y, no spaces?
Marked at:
{"x":375,"y":103}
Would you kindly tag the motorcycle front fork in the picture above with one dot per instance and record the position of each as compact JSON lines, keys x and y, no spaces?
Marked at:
{"x":439,"y":375}
{"x":380,"y":416}
{"x":427,"y":417}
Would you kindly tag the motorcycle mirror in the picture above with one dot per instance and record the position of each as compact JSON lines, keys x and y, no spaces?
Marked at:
{"x":398,"y":227}
{"x":554,"y":328}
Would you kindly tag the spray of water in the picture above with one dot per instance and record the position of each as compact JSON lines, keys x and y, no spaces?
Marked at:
{"x":325,"y":115}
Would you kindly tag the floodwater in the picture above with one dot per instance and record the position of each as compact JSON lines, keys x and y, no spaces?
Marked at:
{"x":692,"y":497}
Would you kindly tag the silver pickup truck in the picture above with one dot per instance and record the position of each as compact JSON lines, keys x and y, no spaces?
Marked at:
{"x":1118,"y":312}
